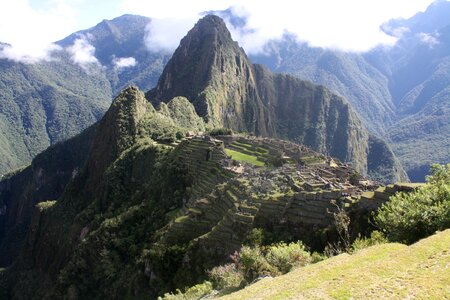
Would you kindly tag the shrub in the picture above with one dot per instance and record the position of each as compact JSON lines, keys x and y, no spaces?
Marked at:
{"x":45,"y":205}
{"x":220,"y":131}
{"x":375,"y":238}
{"x":255,"y":237}
{"x":226,"y":276}
{"x":286,"y":256}
{"x":408,"y":217}
{"x":195,"y":292}
{"x":254,"y":264}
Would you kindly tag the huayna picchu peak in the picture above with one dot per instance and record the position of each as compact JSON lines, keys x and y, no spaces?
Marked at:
{"x":172,"y":183}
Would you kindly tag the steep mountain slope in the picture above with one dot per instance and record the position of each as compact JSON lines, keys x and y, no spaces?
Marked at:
{"x":347,"y":74}
{"x":49,"y":101}
{"x":392,"y":271}
{"x":42,"y":104}
{"x":417,"y":69}
{"x":123,"y":38}
{"x":44,"y":179}
{"x":227,"y":90}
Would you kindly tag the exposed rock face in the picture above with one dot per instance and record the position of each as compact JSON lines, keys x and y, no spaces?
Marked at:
{"x":214,"y":73}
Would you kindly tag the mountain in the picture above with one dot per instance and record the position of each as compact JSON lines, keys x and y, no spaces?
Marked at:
{"x":347,"y":74}
{"x":143,"y":202}
{"x":40,"y":105}
{"x":400,"y":92}
{"x":419,"y":82}
{"x":49,"y":101}
{"x":229,"y":91}
{"x":123,"y":38}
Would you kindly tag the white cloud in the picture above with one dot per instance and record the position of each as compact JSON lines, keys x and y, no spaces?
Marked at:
{"x":165,"y":34}
{"x":30,"y":31}
{"x":26,"y":55}
{"x":429,"y":39}
{"x":82,"y":52}
{"x":124,"y":62}
{"x":346,"y":24}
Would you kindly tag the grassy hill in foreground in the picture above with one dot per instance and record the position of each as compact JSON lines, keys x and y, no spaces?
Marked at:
{"x":388,"y":271}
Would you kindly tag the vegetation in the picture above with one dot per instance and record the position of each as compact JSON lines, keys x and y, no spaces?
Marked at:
{"x":387,"y":271}
{"x":248,"y":264}
{"x":45,"y":205}
{"x":195,"y":292}
{"x":220,"y":131}
{"x":239,"y":156}
{"x":408,"y":217}
{"x":51,"y":101}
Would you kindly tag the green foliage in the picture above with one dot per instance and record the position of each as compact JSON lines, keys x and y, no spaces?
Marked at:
{"x":253,"y":263}
{"x":376,"y":237}
{"x":257,"y":261}
{"x":287,"y":256}
{"x":196,"y":292}
{"x":408,"y":217}
{"x":220,"y":131}
{"x":226,"y":276}
{"x":171,"y":121}
{"x":255,"y":237}
{"x":45,"y":205}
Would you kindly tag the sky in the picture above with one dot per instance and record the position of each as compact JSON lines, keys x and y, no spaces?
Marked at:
{"x":31,"y":26}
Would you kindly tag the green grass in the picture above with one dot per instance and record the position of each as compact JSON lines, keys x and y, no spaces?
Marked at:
{"x":387,"y":271}
{"x":244,"y":157}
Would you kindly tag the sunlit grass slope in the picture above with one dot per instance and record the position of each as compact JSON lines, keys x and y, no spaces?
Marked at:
{"x":389,"y":271}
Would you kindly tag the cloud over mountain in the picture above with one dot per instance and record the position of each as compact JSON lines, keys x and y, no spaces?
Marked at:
{"x":124,"y":62}
{"x":30,"y":32}
{"x":82,"y":52}
{"x":349,"y":24}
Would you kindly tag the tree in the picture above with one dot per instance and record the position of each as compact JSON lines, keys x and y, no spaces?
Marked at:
{"x":408,"y":217}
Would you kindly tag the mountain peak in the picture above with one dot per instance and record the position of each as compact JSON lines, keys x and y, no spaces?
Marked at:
{"x":206,"y":56}
{"x":209,"y":31}
{"x":211,"y":24}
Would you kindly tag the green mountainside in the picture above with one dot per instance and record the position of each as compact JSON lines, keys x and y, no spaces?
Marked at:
{"x":347,"y":74}
{"x":41,"y":104}
{"x":49,"y":101}
{"x":123,"y":37}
